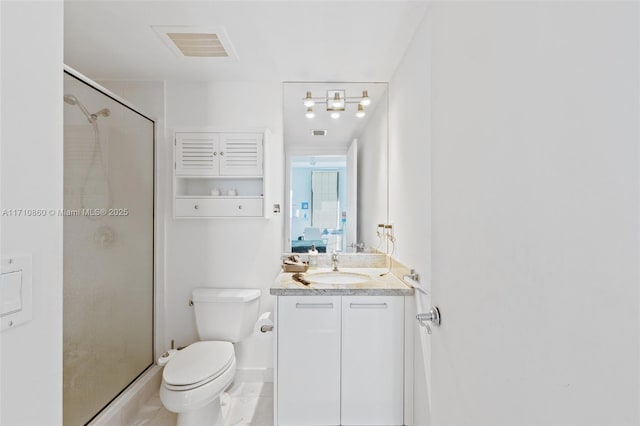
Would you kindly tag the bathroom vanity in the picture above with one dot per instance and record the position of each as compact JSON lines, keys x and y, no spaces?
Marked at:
{"x":342,"y":355}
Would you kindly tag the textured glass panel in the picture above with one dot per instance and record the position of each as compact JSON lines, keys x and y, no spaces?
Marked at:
{"x":108,"y":249}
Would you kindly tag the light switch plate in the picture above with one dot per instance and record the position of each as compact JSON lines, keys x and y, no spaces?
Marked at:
{"x":15,"y":291}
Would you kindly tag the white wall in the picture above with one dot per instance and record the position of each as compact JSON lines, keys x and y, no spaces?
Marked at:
{"x":409,"y":180}
{"x":31,"y":362}
{"x":532,"y":133}
{"x":225,"y":252}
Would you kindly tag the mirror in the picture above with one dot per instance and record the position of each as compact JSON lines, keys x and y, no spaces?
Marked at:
{"x":336,"y":167}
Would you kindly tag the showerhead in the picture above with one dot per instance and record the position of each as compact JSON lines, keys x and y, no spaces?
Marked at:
{"x":105,"y":112}
{"x":71,"y":100}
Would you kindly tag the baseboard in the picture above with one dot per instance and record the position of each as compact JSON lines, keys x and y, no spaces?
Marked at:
{"x":264,"y":375}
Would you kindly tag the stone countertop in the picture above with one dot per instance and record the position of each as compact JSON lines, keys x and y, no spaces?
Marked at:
{"x":387,"y":285}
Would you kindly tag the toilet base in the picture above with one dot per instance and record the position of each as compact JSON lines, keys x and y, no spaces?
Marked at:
{"x":210,"y":414}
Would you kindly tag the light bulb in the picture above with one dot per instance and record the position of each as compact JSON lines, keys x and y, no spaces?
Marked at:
{"x":335,"y":115}
{"x":310,"y":113}
{"x":308,"y":100}
{"x":365,"y":98}
{"x":337,"y":102}
{"x":360,"y":112}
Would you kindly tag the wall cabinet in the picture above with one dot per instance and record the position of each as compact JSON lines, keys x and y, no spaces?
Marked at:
{"x":340,"y":360}
{"x":219,"y":174}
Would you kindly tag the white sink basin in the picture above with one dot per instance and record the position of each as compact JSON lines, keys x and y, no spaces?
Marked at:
{"x":337,"y":278}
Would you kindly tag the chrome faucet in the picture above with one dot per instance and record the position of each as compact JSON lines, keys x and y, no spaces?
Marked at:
{"x":334,"y":261}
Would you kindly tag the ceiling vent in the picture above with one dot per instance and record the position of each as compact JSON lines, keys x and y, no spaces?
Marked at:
{"x":318,"y":133}
{"x":197,"y":42}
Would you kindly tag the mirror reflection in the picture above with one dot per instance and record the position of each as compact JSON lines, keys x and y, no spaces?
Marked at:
{"x":319,"y":203}
{"x":335,"y":137}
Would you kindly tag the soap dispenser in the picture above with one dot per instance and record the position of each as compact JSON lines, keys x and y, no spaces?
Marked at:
{"x":313,"y":257}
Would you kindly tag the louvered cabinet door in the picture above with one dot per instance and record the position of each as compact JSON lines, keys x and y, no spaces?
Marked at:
{"x":197,"y":154}
{"x":241,"y":154}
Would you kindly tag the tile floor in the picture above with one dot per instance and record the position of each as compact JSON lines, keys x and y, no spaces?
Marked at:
{"x":249,"y":404}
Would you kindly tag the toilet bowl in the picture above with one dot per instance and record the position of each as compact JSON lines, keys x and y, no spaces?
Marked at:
{"x":194,"y":377}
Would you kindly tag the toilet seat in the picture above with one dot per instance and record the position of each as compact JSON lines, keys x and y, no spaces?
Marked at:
{"x":198,"y":364}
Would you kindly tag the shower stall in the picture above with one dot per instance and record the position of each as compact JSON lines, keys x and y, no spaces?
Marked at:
{"x":108,"y":247}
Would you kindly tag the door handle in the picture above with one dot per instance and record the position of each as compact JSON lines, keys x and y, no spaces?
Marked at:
{"x":432,"y":316}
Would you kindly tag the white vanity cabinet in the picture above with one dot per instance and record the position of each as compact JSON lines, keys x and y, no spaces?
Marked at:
{"x":308,"y":360}
{"x":372,"y":386}
{"x":340,"y":360}
{"x":219,"y":174}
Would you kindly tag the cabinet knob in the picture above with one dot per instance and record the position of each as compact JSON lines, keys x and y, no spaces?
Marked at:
{"x":215,"y":154}
{"x":221,"y":153}
{"x":195,"y":207}
{"x":240,"y":207}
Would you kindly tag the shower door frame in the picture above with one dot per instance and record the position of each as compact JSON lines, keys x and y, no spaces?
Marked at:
{"x":89,"y":82}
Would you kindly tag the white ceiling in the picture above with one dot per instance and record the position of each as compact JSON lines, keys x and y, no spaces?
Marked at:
{"x":347,"y":41}
{"x":275,"y":41}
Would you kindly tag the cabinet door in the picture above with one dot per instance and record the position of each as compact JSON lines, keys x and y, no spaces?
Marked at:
{"x":308,"y":360}
{"x":372,"y":360}
{"x":196,"y":154}
{"x":241,"y":154}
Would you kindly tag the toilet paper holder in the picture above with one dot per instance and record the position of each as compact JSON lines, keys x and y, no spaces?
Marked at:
{"x":264,"y":323}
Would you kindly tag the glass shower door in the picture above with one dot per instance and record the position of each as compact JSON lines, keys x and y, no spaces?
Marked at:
{"x":108,"y":248}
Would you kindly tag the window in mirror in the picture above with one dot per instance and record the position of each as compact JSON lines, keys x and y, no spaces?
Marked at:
{"x":318,"y":203}
{"x":325,"y":206}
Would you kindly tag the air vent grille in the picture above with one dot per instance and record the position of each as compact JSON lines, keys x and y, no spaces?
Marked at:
{"x":199,"y":44}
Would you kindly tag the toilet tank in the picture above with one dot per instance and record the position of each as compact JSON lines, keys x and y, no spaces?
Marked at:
{"x":224,"y":313}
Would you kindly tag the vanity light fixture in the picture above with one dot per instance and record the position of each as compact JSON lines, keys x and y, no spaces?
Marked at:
{"x":308,"y":100}
{"x":310,"y":113}
{"x":365,"y":98}
{"x":336,"y":102}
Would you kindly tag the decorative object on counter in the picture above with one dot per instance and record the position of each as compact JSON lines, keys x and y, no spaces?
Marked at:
{"x":380,"y":234}
{"x":313,"y":257}
{"x":294,"y":264}
{"x":215,"y":191}
{"x":300,"y":278}
{"x":388,"y":231}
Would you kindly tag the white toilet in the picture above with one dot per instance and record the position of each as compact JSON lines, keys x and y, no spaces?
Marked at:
{"x":194,"y":377}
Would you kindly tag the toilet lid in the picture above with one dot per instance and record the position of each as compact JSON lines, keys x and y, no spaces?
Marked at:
{"x":198,"y":362}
